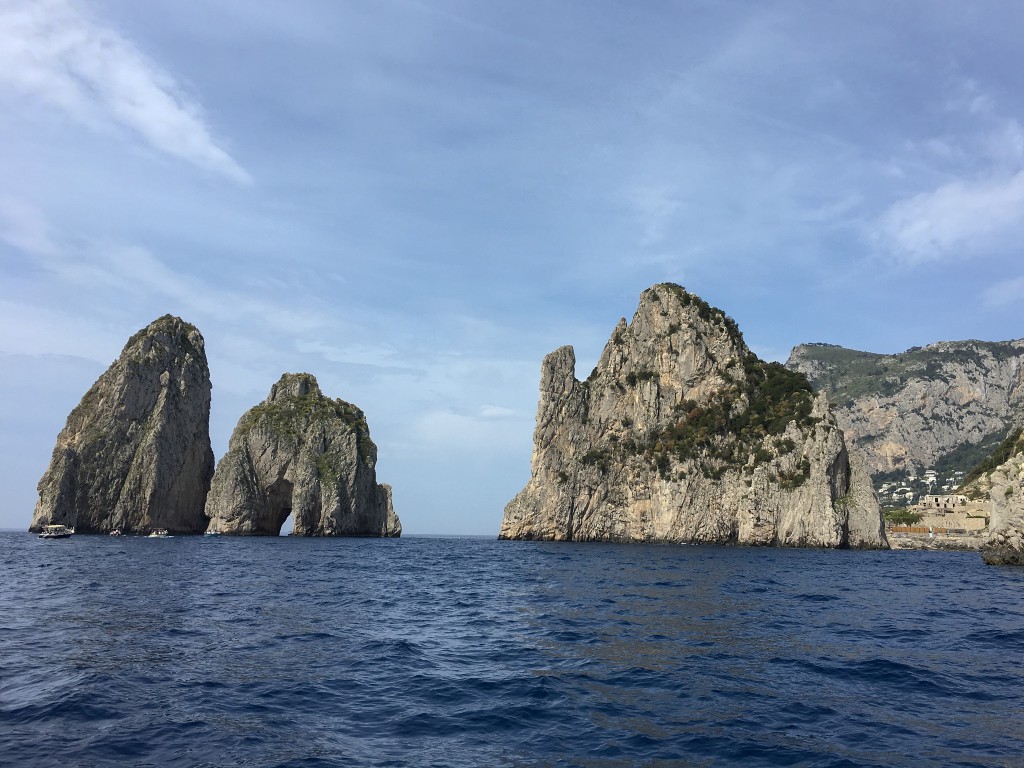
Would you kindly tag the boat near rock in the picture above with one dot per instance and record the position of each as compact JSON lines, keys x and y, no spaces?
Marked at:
{"x":56,"y":531}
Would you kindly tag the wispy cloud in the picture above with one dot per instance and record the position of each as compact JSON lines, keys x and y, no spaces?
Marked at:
{"x":1004,"y":293}
{"x":118,"y":270}
{"x":24,"y":227}
{"x":655,"y":208}
{"x":981,"y":203}
{"x":376,"y":356}
{"x":53,"y":51}
{"x":952,"y":219}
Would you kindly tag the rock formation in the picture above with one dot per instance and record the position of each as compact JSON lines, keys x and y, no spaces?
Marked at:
{"x":943,"y":406}
{"x":135,"y":453}
{"x":302,"y":454}
{"x":1001,"y":479}
{"x":681,"y":434}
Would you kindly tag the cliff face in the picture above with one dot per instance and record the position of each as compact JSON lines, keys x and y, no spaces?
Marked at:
{"x":1001,"y":479}
{"x":302,"y":454}
{"x":947,"y":404}
{"x":681,"y":434}
{"x":135,"y":453}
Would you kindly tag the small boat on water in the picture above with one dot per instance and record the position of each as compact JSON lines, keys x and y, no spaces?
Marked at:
{"x":159,"y":533}
{"x":56,"y":531}
{"x":116,"y":532}
{"x":213,"y":533}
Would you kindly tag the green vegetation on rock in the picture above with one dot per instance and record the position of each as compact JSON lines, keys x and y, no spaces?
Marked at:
{"x":849,"y":374}
{"x":704,"y":310}
{"x":902,"y":517}
{"x":1011,"y":446}
{"x":291,"y":416}
{"x":724,"y":430}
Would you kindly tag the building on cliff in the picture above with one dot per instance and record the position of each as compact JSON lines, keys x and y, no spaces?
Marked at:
{"x":681,"y":434}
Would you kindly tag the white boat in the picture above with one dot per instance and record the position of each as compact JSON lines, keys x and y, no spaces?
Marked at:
{"x":159,"y":533}
{"x":116,"y":532}
{"x":56,"y":531}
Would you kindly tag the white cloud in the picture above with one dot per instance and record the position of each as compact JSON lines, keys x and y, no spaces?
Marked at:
{"x":952,"y":219}
{"x":1007,"y":292}
{"x":50,"y":50}
{"x":24,"y":227}
{"x":443,"y":428}
{"x":496,"y":412}
{"x":968,"y":96}
{"x":655,"y":208}
{"x":112,"y":271}
{"x":39,"y":331}
{"x":354,"y":354}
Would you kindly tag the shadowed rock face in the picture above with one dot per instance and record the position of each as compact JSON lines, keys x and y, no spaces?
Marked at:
{"x":302,"y":454}
{"x":681,"y":434}
{"x":135,"y":453}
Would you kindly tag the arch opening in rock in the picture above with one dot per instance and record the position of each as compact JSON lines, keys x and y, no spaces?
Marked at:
{"x":279,"y":505}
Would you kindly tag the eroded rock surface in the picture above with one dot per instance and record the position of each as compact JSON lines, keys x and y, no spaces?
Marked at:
{"x":947,"y":404}
{"x":1001,"y":478}
{"x":135,"y":453}
{"x":302,"y":454}
{"x":680,"y":434}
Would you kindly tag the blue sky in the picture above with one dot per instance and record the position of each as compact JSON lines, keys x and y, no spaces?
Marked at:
{"x":417,"y":200}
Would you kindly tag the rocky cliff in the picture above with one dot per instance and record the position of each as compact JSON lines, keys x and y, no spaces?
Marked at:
{"x":1000,"y":480}
{"x":135,"y":453}
{"x":302,"y":454}
{"x":680,"y":434}
{"x":944,"y":406}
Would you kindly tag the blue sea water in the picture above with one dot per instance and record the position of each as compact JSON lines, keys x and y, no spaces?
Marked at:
{"x":195,"y":651}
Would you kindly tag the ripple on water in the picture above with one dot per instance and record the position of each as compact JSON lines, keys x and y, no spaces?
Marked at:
{"x":477,"y":652}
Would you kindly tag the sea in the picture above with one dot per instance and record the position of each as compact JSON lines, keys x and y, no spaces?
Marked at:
{"x":433,"y":651}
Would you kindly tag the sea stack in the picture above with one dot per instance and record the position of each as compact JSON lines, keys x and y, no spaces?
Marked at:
{"x":681,"y":434}
{"x":302,"y":454}
{"x":135,"y":453}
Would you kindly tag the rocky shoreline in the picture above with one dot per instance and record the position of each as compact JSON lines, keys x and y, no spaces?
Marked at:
{"x":965,"y":543}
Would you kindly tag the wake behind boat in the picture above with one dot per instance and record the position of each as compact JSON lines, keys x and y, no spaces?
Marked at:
{"x":56,"y":532}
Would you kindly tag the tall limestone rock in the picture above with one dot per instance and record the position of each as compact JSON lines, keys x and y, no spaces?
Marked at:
{"x":943,"y":406}
{"x":681,"y":434}
{"x":302,"y":454}
{"x":135,"y":453}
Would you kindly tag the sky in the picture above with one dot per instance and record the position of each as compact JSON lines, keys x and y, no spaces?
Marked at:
{"x":416,"y":200}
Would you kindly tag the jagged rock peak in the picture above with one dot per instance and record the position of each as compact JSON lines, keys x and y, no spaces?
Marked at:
{"x":305,"y":455}
{"x":135,"y":453}
{"x":681,"y":434}
{"x":294,"y":385}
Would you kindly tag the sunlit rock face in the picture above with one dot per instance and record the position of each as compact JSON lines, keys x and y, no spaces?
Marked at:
{"x":304,"y":455}
{"x":135,"y":453}
{"x":680,"y":434}
{"x":944,"y":405}
{"x":1001,"y":480}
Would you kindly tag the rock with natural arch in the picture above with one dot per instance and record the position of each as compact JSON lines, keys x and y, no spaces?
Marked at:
{"x":303,"y":455}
